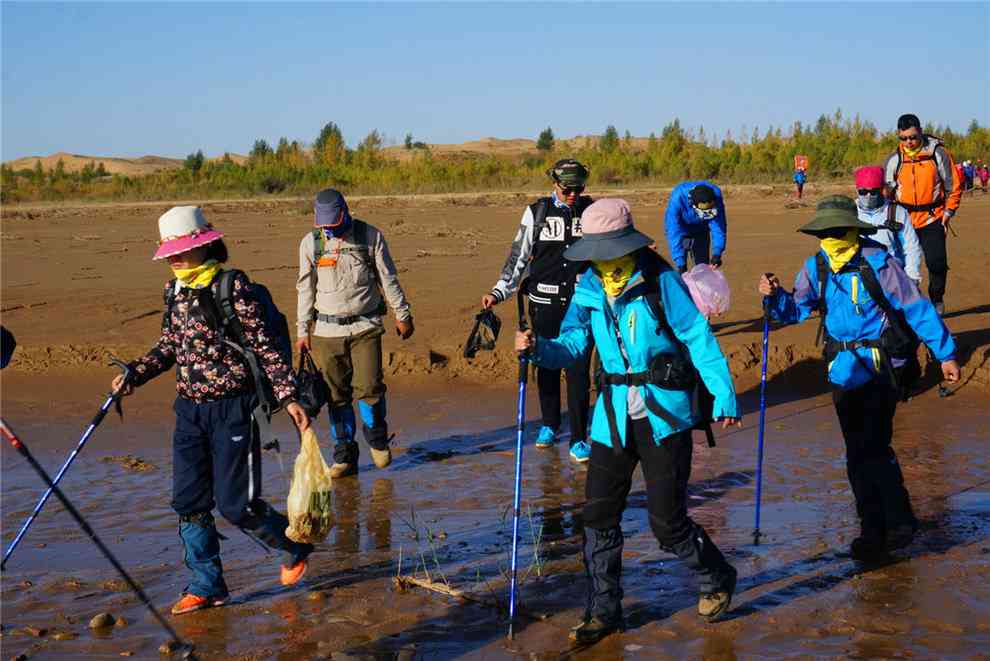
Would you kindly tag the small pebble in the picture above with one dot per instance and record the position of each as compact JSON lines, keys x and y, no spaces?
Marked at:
{"x":65,"y":635}
{"x":37,"y":632}
{"x":127,"y":653}
{"x":317,"y":595}
{"x":26,"y":583}
{"x":168,"y":647}
{"x":101,"y":621}
{"x":121,"y":622}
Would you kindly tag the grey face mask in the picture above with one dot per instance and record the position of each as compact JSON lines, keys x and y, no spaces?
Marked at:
{"x":871,"y":201}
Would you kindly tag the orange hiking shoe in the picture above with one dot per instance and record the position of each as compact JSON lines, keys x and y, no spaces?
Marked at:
{"x":194,"y":602}
{"x":292,"y":575}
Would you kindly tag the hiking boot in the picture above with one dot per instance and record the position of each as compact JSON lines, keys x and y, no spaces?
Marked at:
{"x":867,"y":548}
{"x":382,"y":458}
{"x":547,"y":437}
{"x":194,"y":602}
{"x":581,"y":452}
{"x":711,"y":605}
{"x":900,"y":536}
{"x":343,"y":470}
{"x":591,"y":630}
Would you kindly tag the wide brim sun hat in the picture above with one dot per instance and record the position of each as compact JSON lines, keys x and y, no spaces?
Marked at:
{"x":833,"y":212}
{"x":183,"y":228}
{"x":607,"y":233}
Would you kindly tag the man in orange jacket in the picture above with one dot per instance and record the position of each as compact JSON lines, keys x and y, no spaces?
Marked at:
{"x":924,"y":180}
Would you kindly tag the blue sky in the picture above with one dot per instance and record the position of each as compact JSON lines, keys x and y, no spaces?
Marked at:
{"x":151,"y":78}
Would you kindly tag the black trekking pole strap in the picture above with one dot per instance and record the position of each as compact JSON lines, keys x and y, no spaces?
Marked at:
{"x":523,"y":327}
{"x":70,"y":508}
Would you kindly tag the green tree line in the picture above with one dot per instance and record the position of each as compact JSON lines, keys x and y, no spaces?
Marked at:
{"x":834,"y":145}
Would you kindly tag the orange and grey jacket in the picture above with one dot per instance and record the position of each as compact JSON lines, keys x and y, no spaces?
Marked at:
{"x":926,"y":184}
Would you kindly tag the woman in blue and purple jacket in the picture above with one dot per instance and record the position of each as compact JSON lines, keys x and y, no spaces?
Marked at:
{"x":861,"y":370}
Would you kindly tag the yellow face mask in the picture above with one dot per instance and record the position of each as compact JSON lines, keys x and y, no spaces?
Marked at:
{"x":615,"y":273}
{"x":841,"y":250}
{"x":198,"y":276}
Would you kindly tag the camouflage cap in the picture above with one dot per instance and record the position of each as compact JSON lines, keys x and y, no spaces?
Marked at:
{"x":568,"y":172}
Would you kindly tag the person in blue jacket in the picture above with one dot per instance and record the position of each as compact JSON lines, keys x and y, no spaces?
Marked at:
{"x":800,"y":177}
{"x":694,"y":223}
{"x":859,"y":341}
{"x":644,"y":414}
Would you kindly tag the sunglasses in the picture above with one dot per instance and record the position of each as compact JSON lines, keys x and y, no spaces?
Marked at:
{"x":867,"y":191}
{"x":905,"y":138}
{"x":567,"y":190}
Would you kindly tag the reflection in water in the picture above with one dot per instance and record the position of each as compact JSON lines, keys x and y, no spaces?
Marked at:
{"x":347,"y":495}
{"x":379,"y":518}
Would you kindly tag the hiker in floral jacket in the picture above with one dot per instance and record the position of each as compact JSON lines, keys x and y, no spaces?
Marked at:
{"x":216,"y":458}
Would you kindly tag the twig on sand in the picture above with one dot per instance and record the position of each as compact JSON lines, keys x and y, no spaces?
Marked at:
{"x":406,"y":582}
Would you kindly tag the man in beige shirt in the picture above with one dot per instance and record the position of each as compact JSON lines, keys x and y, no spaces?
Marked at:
{"x":346,"y":276}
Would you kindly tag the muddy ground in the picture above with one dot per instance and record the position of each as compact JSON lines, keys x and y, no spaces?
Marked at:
{"x":78,"y":283}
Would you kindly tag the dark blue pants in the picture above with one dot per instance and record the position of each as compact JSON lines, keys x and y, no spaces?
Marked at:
{"x":216,"y":462}
{"x":697,"y":244}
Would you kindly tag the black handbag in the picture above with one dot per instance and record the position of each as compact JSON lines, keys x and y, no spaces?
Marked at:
{"x":313,"y":391}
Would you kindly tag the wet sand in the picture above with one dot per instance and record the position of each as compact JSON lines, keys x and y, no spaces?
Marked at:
{"x":442,"y":507}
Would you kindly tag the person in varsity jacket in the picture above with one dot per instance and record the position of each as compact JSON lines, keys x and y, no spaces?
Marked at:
{"x":550,"y":226}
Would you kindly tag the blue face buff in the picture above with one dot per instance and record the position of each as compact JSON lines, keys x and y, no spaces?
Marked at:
{"x":871,"y":201}
{"x":706,"y":214}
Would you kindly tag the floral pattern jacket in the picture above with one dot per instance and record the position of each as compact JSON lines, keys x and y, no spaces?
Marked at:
{"x":207,"y":368}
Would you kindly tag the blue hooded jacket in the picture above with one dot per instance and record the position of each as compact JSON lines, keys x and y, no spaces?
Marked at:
{"x":680,"y":220}
{"x":590,"y":319}
{"x":852,"y":314}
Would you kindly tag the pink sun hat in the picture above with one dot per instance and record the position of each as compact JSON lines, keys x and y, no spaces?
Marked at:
{"x":869,"y":177}
{"x":182,"y":229}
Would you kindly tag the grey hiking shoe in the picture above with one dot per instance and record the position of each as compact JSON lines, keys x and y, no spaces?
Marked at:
{"x":712,"y":605}
{"x":591,"y":630}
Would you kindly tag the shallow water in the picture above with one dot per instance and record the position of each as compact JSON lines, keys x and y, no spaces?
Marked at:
{"x":443,"y":507}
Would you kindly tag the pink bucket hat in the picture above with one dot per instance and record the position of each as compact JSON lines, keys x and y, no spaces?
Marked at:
{"x":870,"y":177}
{"x":182,"y":229}
{"x":607,"y":232}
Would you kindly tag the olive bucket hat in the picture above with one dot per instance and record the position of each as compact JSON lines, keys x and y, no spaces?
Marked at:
{"x":836,"y":212}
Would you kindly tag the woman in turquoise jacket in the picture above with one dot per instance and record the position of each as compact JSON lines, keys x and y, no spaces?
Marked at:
{"x":644,"y":413}
{"x":861,"y":368}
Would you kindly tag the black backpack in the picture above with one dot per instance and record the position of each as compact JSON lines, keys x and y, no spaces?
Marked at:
{"x":702,"y":400}
{"x":220,"y":312}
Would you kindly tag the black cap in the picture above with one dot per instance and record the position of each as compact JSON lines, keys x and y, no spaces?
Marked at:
{"x":569,"y":172}
{"x":702,"y":194}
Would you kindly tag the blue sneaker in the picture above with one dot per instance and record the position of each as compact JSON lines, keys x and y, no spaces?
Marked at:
{"x":581,"y":452}
{"x":547,"y":437}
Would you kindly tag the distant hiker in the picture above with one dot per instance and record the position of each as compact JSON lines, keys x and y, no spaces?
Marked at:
{"x":984,"y":174}
{"x":636,"y":310}
{"x":346,"y":275}
{"x":800,"y":176}
{"x":969,"y":173}
{"x":548,"y":228}
{"x":895,"y":232}
{"x":924,"y":180}
{"x":694,"y":222}
{"x":871,"y":316}
{"x":216,"y":457}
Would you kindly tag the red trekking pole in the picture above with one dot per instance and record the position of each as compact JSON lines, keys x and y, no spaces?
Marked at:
{"x":185,"y":648}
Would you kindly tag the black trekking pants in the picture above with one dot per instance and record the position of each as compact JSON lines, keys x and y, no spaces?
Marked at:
{"x":932,"y":239}
{"x":546,"y":319}
{"x":866,"y":416}
{"x":666,"y":470}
